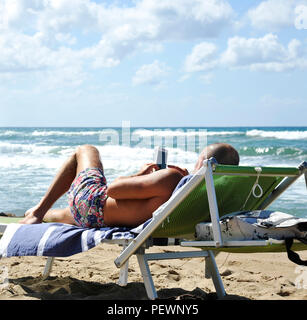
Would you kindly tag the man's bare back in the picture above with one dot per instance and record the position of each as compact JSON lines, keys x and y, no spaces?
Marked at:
{"x":133,"y":200}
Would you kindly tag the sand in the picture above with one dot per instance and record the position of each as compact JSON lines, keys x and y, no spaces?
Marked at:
{"x":93,"y":275}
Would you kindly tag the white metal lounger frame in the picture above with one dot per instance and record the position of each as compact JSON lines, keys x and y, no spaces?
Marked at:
{"x":143,"y":241}
{"x":138,"y":245}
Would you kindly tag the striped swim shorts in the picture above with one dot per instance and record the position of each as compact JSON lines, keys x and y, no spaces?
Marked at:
{"x":87,"y":196}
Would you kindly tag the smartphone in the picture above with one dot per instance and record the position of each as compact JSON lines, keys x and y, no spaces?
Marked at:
{"x":160,"y":157}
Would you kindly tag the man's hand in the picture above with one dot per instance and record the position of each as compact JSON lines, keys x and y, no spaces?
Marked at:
{"x":148,"y":168}
{"x":184,"y":172}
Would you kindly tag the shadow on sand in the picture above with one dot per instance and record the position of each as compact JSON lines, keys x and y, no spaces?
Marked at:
{"x":68,"y":288}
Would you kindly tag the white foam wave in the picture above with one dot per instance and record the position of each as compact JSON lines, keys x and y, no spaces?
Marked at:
{"x":181,"y":132}
{"x":30,"y":163}
{"x":122,"y":158}
{"x":47,"y":133}
{"x":6,"y":147}
{"x":15,"y":148}
{"x":9,"y":133}
{"x":272,"y":161}
{"x":223,"y":133}
{"x":37,"y":133}
{"x":286,"y":135}
{"x":272,"y":151}
{"x":116,"y":160}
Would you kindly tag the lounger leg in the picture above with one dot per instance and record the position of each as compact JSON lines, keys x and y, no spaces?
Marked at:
{"x":123,"y":275}
{"x":214,"y":272}
{"x":48,"y":267}
{"x":207,"y":269}
{"x":149,"y":285}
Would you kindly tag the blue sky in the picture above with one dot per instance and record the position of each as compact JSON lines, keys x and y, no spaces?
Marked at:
{"x":154,"y":63}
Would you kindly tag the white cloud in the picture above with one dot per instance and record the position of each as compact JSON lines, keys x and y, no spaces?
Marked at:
{"x":301,"y":17}
{"x":122,"y":28}
{"x":126,"y":30}
{"x":272,"y":15}
{"x":246,"y":51}
{"x":265,"y":53}
{"x":203,"y":57}
{"x":65,"y":38}
{"x":19,"y":53}
{"x":186,"y":19}
{"x":184,"y":77}
{"x":152,"y":74}
{"x":207,"y":78}
{"x":48,"y":34}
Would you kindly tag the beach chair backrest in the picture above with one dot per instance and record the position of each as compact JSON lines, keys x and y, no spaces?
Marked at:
{"x":229,"y":190}
{"x":234,"y":192}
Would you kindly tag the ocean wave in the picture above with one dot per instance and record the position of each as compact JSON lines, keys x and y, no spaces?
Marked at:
{"x":271,"y":151}
{"x":142,"y":154}
{"x":11,"y":134}
{"x":47,"y":133}
{"x":38,"y":133}
{"x":6,"y":147}
{"x":118,"y":159}
{"x":29,"y":164}
{"x":15,"y":148}
{"x":284,"y":135}
{"x":184,"y":133}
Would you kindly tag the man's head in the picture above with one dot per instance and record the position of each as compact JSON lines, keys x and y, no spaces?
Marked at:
{"x":224,"y":154}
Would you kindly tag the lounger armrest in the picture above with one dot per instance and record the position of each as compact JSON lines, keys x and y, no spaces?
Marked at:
{"x":250,"y":171}
{"x":243,"y":243}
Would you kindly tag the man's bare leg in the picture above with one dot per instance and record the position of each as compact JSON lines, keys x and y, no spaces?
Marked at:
{"x":85,"y":157}
{"x":62,"y":215}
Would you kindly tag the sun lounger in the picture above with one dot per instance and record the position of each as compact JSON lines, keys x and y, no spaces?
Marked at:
{"x":214,"y":191}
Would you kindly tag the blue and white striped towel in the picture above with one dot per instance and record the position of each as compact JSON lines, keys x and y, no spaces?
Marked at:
{"x":57,"y":239}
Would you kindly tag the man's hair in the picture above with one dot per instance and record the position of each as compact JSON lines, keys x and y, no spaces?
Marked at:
{"x":224,"y":153}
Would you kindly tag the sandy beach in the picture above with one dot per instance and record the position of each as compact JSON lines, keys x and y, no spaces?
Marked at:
{"x":93,"y":275}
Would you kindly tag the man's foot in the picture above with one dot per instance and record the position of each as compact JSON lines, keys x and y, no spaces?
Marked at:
{"x":30,"y":219}
{"x":32,"y":216}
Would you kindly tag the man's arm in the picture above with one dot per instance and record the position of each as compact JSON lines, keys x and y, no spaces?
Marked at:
{"x":146,"y":169}
{"x":157,"y":183}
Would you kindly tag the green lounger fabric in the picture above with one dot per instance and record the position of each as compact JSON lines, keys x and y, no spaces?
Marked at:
{"x":231,"y":193}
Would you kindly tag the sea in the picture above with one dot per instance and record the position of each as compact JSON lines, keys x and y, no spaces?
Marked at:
{"x":30,"y":157}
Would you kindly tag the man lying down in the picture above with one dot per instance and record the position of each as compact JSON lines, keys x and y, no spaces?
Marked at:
{"x":127,"y":201}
